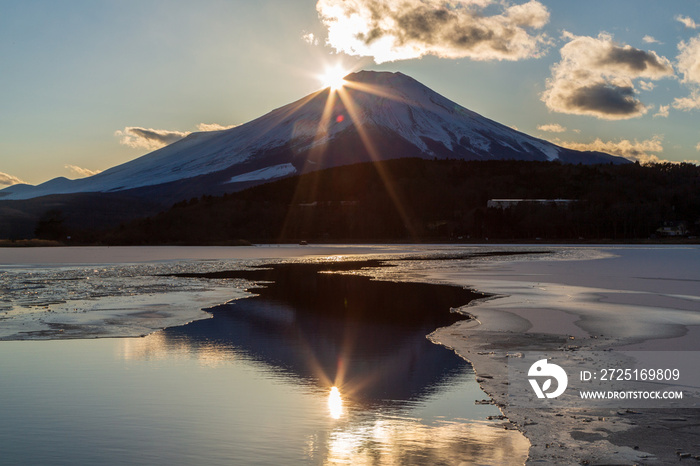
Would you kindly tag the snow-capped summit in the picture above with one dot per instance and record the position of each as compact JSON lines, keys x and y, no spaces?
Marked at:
{"x":376,"y":115}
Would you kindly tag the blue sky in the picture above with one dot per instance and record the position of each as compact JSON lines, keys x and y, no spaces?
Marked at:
{"x":86,"y":85}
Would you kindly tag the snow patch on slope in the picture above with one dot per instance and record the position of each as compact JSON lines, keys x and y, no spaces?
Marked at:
{"x":268,"y":173}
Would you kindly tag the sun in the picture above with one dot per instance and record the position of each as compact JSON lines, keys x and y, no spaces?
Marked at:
{"x":333,"y":77}
{"x":335,"y":403}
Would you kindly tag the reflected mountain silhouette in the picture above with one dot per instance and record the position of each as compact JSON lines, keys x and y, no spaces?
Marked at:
{"x":366,"y":336}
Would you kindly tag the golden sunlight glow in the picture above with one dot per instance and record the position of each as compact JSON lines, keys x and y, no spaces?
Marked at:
{"x":341,"y":98}
{"x":333,"y":77}
{"x":335,"y":403}
{"x":394,"y":439}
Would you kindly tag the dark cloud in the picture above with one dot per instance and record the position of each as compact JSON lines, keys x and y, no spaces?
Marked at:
{"x":634,"y":59}
{"x":605,"y":98}
{"x":597,"y":77}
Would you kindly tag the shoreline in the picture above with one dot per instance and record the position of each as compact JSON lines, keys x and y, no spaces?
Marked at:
{"x":661,"y":241}
{"x":560,"y":305}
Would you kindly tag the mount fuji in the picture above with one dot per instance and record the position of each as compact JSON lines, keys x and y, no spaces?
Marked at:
{"x":376,"y":115}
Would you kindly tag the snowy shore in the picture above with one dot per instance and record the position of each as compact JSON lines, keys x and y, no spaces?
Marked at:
{"x":611,"y":298}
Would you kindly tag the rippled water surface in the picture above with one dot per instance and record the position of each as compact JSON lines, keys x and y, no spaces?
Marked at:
{"x":162,"y":401}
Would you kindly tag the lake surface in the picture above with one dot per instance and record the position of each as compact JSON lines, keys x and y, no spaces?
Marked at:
{"x":317,"y":368}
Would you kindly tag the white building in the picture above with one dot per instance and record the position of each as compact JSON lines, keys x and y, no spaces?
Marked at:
{"x":507,"y":203}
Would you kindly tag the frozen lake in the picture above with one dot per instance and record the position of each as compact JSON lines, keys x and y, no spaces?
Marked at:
{"x":314,"y":355}
{"x":252,"y":381}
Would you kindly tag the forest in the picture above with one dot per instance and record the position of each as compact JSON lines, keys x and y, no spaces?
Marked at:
{"x":433,"y":200}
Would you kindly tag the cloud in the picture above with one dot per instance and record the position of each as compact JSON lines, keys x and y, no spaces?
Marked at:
{"x":152,"y":139}
{"x":9,"y":180}
{"x":310,"y":38}
{"x":213,"y":127}
{"x":688,"y":64}
{"x":650,"y":40}
{"x":697,"y":147}
{"x":689,"y":60}
{"x":601,"y":99}
{"x":692,"y":102}
{"x":148,"y":138}
{"x":687,"y":21}
{"x":82,"y":172}
{"x":637,"y":150}
{"x":390,"y":30}
{"x":663,"y":111}
{"x":552,"y":128}
{"x":596,"y":77}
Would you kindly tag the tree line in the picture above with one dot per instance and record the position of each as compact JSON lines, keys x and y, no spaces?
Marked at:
{"x":433,"y":200}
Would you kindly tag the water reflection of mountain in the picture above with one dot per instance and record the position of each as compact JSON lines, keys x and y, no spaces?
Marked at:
{"x":367,"y":336}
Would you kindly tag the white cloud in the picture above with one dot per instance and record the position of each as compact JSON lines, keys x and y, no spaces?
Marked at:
{"x":310,"y":38}
{"x":663,"y":111}
{"x":650,"y":40}
{"x":390,"y":30}
{"x":152,"y":139}
{"x":689,"y":60}
{"x":647,"y":86}
{"x":692,"y":102}
{"x":82,"y":172}
{"x":9,"y":180}
{"x":687,"y":21}
{"x":637,"y":150}
{"x":148,"y":138}
{"x":213,"y":127}
{"x":596,"y":76}
{"x":552,"y":128}
{"x":688,"y":64}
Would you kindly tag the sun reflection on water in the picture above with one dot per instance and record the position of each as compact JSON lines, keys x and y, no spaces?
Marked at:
{"x":335,"y":403}
{"x":159,"y":347}
{"x":397,"y":440}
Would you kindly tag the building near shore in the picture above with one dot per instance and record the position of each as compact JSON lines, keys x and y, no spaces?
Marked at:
{"x":673,"y":229}
{"x":508,"y":203}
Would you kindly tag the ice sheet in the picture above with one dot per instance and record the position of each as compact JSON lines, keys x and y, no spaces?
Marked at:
{"x":644,"y":298}
{"x":88,"y":292}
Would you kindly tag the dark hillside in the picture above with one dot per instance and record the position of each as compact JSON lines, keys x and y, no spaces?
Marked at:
{"x":422,"y":200}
